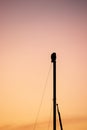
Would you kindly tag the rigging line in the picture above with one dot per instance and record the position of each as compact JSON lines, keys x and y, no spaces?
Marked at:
{"x":50,"y":117}
{"x":42,"y":98}
{"x":60,"y":121}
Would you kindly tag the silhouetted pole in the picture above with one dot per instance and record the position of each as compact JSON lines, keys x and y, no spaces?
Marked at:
{"x":53,"y":59}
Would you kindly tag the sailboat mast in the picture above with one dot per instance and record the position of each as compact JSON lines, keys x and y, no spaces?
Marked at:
{"x":53,"y":60}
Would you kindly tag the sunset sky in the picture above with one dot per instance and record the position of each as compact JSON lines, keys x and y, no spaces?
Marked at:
{"x":30,"y":30}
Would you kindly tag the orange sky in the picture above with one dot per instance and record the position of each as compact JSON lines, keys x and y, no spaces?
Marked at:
{"x":29,"y":33}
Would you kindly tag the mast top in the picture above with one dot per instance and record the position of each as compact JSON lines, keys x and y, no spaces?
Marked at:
{"x":53,"y":57}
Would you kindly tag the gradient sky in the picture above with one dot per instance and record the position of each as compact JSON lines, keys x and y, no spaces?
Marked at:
{"x":29,"y":32}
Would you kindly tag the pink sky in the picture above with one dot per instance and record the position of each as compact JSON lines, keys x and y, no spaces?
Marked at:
{"x":30,"y":32}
